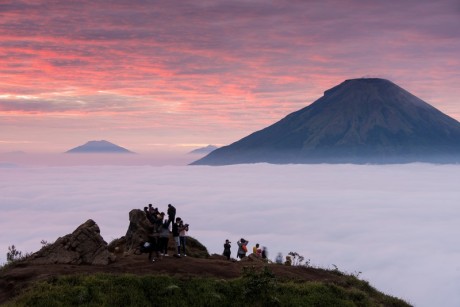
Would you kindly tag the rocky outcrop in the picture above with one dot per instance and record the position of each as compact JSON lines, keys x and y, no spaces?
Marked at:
{"x":138,"y":231}
{"x":83,"y":246}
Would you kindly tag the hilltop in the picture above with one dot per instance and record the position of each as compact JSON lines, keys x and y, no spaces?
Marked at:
{"x":358,"y":121}
{"x":70,"y":270}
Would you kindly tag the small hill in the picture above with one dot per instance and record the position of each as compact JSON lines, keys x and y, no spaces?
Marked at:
{"x":82,"y":269}
{"x":203,"y":150}
{"x":99,"y":147}
{"x":358,"y":121}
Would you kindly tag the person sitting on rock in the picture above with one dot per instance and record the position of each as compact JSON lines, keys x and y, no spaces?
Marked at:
{"x":288,"y":261}
{"x":242,"y":248}
{"x":256,"y":250}
{"x":149,"y":216}
{"x":156,"y":213}
{"x":279,"y":258}
{"x":227,"y":249}
{"x":175,"y":232}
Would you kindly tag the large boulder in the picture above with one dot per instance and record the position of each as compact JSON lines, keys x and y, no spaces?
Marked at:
{"x":138,"y":231}
{"x":83,"y":246}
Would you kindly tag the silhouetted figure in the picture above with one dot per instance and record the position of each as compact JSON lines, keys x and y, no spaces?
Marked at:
{"x":154,"y":247}
{"x":279,"y":258}
{"x":151,"y":209}
{"x":164,"y":238}
{"x":264,"y":253}
{"x":183,"y":228}
{"x":242,"y":248}
{"x":176,"y":232}
{"x":149,"y":215}
{"x":227,"y":249}
{"x":171,"y":213}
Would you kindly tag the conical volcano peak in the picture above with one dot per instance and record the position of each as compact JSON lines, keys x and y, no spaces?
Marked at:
{"x":366,"y":82}
{"x":366,"y":120}
{"x":373,"y":92}
{"x":361,"y":84}
{"x":102,"y":146}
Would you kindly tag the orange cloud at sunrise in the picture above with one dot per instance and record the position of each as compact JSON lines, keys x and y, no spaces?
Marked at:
{"x":205,"y":72}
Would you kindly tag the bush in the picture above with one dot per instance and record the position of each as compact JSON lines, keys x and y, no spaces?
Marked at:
{"x":257,"y":287}
{"x":13,"y":254}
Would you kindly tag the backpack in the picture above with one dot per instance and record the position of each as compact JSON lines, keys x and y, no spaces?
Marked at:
{"x":145,"y":247}
{"x":244,"y":247}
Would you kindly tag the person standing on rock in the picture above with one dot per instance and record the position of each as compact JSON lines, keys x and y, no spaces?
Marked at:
{"x":227,"y":249}
{"x":154,"y":247}
{"x":171,"y":213}
{"x":264,"y":253}
{"x":183,"y":228}
{"x":176,"y":232}
{"x":164,"y":238}
{"x":242,"y":248}
{"x":151,"y":209}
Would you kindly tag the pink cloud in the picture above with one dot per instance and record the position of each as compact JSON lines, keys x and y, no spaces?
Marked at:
{"x":218,"y":64}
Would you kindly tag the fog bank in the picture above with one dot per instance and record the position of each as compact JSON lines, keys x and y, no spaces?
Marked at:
{"x":397,"y":224}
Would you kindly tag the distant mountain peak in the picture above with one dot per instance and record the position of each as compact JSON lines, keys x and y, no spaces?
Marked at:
{"x":102,"y":146}
{"x":366,"y":120}
{"x":204,"y":150}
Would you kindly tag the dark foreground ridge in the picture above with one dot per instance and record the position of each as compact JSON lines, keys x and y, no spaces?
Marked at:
{"x":82,"y":269}
{"x":358,"y":121}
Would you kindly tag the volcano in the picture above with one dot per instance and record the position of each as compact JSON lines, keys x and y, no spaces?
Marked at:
{"x":99,"y":147}
{"x":367,"y":120}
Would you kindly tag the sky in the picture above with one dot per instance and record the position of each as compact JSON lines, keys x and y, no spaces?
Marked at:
{"x":176,"y":75}
{"x":395,"y":226}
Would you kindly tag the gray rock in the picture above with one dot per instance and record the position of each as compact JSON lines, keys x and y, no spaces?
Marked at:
{"x":138,"y":231}
{"x":83,"y":246}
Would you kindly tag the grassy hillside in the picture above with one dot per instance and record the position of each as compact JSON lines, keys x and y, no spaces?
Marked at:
{"x":257,"y":286}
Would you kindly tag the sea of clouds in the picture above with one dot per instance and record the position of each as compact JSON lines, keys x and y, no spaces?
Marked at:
{"x":396,"y":224}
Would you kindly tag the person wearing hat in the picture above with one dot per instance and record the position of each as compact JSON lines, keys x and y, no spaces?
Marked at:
{"x":227,"y":249}
{"x":242,"y":248}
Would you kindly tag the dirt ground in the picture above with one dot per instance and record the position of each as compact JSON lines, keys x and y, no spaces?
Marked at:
{"x":15,"y":279}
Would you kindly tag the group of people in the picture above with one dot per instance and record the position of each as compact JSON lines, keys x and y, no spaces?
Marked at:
{"x":243,"y":249}
{"x":159,"y":239}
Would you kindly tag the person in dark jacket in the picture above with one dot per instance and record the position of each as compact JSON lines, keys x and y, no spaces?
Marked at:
{"x":171,"y":213}
{"x":227,"y":249}
{"x":176,"y":232}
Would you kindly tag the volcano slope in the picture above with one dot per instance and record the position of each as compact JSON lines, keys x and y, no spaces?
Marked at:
{"x":358,"y":121}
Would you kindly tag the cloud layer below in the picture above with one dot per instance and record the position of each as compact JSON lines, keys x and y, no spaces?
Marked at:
{"x":396,"y":224}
